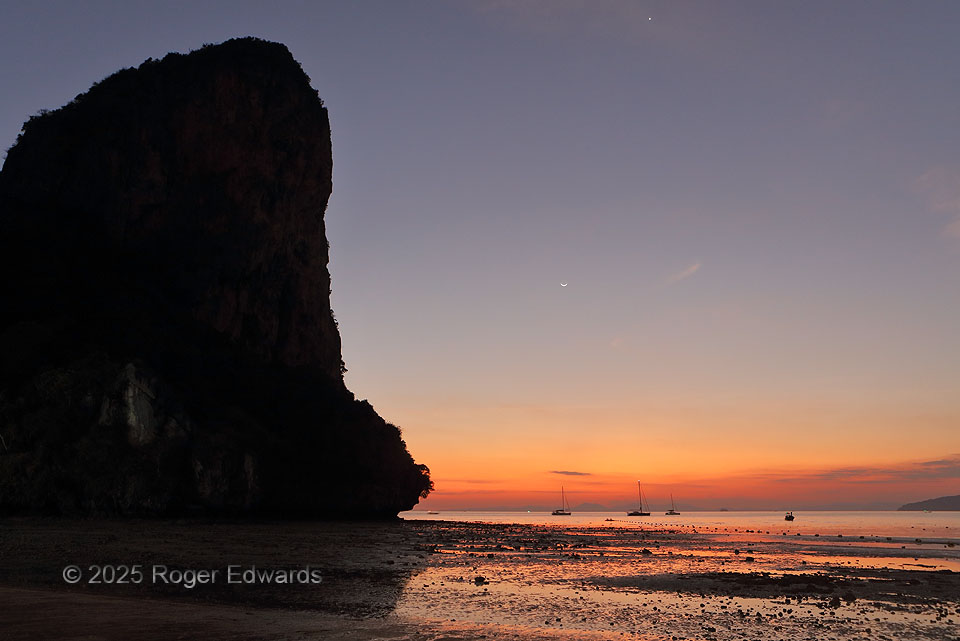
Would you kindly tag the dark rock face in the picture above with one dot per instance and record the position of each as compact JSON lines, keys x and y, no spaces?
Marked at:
{"x":166,"y":335}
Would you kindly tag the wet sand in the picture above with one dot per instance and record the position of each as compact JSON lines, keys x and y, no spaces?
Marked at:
{"x":448,"y":580}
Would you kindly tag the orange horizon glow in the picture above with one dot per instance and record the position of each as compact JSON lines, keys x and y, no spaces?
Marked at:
{"x":710,"y":457}
{"x":881,"y":487}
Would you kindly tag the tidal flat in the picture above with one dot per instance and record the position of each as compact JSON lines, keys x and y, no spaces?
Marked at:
{"x":433,"y":580}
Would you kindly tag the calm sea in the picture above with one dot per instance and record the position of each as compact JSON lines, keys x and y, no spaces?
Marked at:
{"x":944,"y":525}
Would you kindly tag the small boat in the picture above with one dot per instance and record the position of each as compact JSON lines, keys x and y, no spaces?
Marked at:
{"x":564,"y":509}
{"x":432,"y":512}
{"x":673,"y":508}
{"x":639,"y":511}
{"x":788,"y":517}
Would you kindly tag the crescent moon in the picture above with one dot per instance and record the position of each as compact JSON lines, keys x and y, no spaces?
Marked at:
{"x":563,"y":284}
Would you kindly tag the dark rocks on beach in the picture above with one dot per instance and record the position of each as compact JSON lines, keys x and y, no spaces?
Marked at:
{"x":166,"y":334}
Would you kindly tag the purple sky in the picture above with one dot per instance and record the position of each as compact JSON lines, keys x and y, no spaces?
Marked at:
{"x":756,"y":206}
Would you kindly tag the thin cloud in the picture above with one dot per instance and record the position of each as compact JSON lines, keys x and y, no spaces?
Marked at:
{"x":840,"y":111}
{"x":940,"y":469}
{"x":685,"y":273}
{"x":939,"y":187}
{"x":569,"y":473}
{"x":701,"y":29}
{"x":952,"y":229}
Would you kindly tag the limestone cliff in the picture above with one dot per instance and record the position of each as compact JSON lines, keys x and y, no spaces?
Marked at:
{"x":166,"y":336}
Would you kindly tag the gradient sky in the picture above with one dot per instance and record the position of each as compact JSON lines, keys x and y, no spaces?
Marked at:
{"x":755,"y":205}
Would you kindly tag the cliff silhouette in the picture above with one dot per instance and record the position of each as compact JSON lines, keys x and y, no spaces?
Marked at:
{"x":166,"y":334}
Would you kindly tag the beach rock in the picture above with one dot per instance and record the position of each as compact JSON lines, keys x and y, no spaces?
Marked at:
{"x":167,"y":339}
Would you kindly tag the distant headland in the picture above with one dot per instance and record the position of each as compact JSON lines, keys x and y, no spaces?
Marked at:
{"x":166,"y":335}
{"x":941,"y":504}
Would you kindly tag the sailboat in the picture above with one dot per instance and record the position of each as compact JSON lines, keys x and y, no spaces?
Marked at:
{"x":564,"y":509}
{"x":639,"y":511}
{"x":673,"y":508}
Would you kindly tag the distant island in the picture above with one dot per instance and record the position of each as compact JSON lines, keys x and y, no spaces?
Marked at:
{"x":941,"y":504}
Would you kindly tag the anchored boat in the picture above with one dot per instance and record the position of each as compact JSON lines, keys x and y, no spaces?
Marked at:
{"x":639,"y":511}
{"x":564,"y":509}
{"x":673,"y":508}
